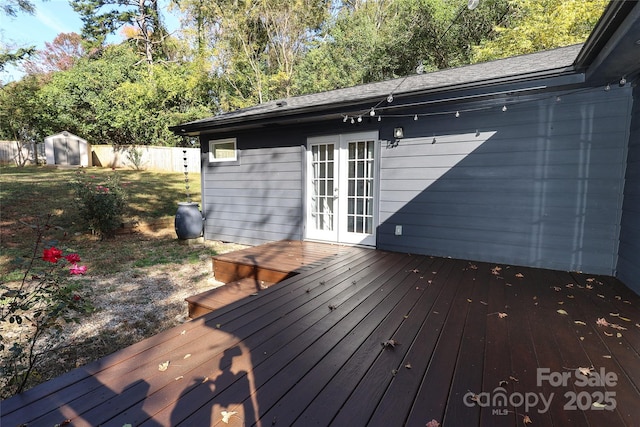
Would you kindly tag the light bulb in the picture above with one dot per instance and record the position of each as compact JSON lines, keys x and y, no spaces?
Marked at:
{"x":607,"y":88}
{"x":390,"y":98}
{"x":372,"y":112}
{"x":345,"y":119}
{"x":415,"y":117}
{"x":359,"y":119}
{"x":457,"y":113}
{"x":504,"y":108}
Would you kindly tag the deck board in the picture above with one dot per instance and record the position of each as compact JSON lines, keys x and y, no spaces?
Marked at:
{"x":309,"y":351}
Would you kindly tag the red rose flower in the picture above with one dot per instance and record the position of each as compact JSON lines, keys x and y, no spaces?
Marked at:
{"x":72,"y":258}
{"x":52,"y":254}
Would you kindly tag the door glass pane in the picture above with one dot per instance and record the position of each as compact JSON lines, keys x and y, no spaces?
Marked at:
{"x":322,"y":201}
{"x":360,"y":183}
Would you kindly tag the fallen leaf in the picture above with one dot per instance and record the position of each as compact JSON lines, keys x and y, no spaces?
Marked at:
{"x":527,"y":420}
{"x":589,"y":286}
{"x":626,"y":319}
{"x":600,"y":295}
{"x":496,"y":270}
{"x":127,"y":425}
{"x":619,"y":335}
{"x":415,"y":270}
{"x":473,"y":266}
{"x":607,"y":356}
{"x":560,"y":302}
{"x":602,"y":322}
{"x":562,"y":312}
{"x":598,"y":405}
{"x":483,"y":303}
{"x":614,"y":314}
{"x":408,"y":366}
{"x":205,"y":379}
{"x":519,"y":275}
{"x":637,"y":325}
{"x":227,"y":415}
{"x":514,"y":379}
{"x":468,"y":300}
{"x":607,"y":333}
{"x":390,"y":343}
{"x":433,"y":423}
{"x":570,"y":296}
{"x":186,"y":356}
{"x":557,"y":288}
{"x":179,"y":378}
{"x":163,"y":366}
{"x":585,"y":371}
{"x":618,"y":327}
{"x":502,"y":315}
{"x":580,"y":322}
{"x":590,"y":279}
{"x":183,"y":332}
{"x":569,"y":285}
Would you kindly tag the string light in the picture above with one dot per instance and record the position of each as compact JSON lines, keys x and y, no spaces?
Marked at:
{"x":377,"y":111}
{"x":390,"y":98}
{"x":607,"y":88}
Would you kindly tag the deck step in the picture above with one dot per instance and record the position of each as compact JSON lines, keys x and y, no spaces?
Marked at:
{"x":228,"y":271}
{"x":206,"y":302}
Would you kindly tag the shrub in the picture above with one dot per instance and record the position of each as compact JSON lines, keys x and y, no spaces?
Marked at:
{"x":101,"y":204}
{"x":35,"y":309}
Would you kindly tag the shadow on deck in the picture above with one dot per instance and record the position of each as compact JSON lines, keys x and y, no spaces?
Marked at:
{"x":367,"y":337}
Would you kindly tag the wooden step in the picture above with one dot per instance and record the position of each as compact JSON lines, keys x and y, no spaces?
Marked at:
{"x":230,"y":271}
{"x":206,"y":302}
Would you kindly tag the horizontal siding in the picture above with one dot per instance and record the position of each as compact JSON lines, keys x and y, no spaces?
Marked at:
{"x":257,"y":199}
{"x":539,"y":185}
{"x":629,"y":253}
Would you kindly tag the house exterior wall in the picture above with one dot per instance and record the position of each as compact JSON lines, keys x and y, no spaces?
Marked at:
{"x":629,"y":256}
{"x":256,"y":199}
{"x":540,"y":184}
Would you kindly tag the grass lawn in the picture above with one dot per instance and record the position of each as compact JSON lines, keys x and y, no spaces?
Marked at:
{"x":137,"y":281}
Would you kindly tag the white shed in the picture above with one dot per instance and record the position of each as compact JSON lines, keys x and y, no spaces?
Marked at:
{"x":67,"y":149}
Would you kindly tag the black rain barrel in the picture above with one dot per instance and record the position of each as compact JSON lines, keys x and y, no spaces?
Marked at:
{"x":188,"y":221}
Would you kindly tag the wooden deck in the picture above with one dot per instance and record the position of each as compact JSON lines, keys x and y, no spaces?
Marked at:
{"x":375,"y":338}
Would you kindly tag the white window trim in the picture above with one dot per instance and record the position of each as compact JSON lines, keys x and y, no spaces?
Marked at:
{"x":214,"y":142}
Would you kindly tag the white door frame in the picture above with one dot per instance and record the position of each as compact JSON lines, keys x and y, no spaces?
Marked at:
{"x":327,"y":216}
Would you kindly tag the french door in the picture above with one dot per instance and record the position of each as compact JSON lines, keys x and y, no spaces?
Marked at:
{"x":342,"y":188}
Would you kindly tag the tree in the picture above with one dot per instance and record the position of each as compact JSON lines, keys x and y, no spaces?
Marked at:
{"x":59,"y":55}
{"x":143,"y":15}
{"x":254,"y":45}
{"x":535,"y":25}
{"x":108,"y":100}
{"x":376,"y":40}
{"x":7,"y":54}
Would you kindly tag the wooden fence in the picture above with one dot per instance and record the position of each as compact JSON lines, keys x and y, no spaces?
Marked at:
{"x":132,"y":157}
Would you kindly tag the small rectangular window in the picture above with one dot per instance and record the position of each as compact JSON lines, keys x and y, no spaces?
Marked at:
{"x":223,"y":150}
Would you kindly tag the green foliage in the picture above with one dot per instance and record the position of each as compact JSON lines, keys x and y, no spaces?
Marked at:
{"x":33,"y":311}
{"x":101,"y":205}
{"x":380,"y":40}
{"x":111,"y":100}
{"x":20,"y":112}
{"x":535,"y":25}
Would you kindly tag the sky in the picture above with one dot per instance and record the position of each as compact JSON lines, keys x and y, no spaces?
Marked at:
{"x":51,"y":18}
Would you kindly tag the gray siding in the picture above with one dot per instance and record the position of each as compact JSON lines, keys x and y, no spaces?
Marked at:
{"x":629,"y":255}
{"x":540,"y":184}
{"x":256,"y":200}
